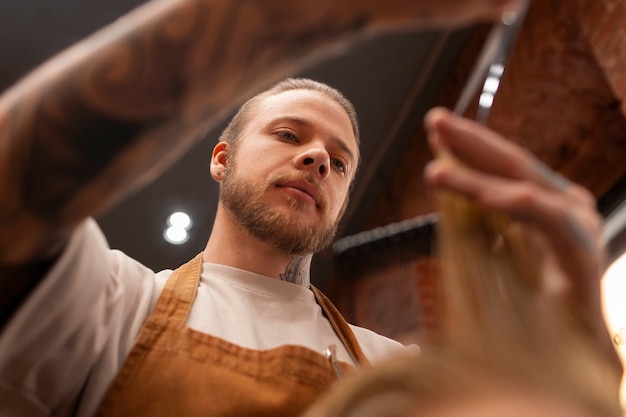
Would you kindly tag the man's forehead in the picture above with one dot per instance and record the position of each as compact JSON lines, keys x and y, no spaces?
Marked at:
{"x":298,"y":104}
{"x":297,"y":97}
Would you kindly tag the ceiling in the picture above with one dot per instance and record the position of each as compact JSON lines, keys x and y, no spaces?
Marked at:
{"x":390,"y":79}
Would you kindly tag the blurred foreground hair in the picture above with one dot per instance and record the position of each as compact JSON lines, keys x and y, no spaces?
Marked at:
{"x":504,"y":349}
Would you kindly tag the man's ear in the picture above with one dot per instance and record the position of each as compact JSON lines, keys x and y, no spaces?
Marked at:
{"x":219,"y":161}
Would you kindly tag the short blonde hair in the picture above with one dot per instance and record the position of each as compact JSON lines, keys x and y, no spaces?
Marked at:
{"x":233,"y":131}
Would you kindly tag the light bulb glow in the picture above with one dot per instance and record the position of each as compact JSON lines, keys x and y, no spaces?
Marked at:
{"x":613,"y":299}
{"x":179,"y":219}
{"x":176,"y":235}
{"x":178,"y":224}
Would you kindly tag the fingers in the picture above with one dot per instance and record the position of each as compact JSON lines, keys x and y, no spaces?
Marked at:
{"x":505,"y":178}
{"x":483,"y":149}
{"x":502,"y":176}
{"x":551,"y":209}
{"x":559,"y":217}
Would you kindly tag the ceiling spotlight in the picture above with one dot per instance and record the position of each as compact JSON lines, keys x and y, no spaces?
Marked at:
{"x":179,"y":219}
{"x":177,"y":233}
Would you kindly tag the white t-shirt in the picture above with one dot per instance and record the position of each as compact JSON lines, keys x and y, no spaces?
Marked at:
{"x":65,"y":344}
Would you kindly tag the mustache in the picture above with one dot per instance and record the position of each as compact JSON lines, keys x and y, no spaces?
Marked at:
{"x":279,"y":178}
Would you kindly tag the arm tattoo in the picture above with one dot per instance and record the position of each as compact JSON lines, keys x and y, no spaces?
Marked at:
{"x":110,"y":114}
{"x":297,"y":271}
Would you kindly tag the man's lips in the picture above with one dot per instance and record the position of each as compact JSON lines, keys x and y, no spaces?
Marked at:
{"x":302,"y":187}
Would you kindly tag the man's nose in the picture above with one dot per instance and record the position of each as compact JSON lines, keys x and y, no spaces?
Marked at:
{"x":315,"y":160}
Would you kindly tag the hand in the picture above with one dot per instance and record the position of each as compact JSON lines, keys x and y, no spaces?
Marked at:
{"x":505,"y":178}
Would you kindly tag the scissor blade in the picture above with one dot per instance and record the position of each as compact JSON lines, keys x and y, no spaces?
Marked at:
{"x":492,"y":59}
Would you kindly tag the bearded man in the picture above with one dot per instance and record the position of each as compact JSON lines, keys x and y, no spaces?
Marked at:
{"x":238,"y":330}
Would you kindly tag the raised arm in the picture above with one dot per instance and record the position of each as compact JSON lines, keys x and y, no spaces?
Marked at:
{"x":111,"y":113}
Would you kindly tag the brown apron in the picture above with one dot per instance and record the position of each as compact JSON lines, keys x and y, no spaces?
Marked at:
{"x":173,"y":370}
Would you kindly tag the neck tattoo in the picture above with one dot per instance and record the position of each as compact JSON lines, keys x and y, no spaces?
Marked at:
{"x":296,"y":271}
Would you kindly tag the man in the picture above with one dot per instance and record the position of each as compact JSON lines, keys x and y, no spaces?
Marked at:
{"x":87,"y":330}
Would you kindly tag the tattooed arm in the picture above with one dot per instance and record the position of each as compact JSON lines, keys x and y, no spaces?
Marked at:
{"x":109,"y":114}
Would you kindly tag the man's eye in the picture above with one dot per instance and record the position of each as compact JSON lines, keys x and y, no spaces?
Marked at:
{"x":339,"y":165}
{"x":288,"y":136}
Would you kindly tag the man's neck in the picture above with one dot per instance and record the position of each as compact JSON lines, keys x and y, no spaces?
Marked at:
{"x":231,"y":245}
{"x":298,"y":271}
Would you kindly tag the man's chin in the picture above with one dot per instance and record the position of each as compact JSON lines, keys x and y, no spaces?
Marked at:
{"x":303,"y":215}
{"x":300,"y":238}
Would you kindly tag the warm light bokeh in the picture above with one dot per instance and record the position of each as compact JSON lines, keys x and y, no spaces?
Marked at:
{"x":614,"y":301}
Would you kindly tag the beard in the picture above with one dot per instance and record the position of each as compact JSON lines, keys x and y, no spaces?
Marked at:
{"x":244,"y":199}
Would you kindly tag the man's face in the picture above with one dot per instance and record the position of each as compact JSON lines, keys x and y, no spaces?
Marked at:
{"x":289,"y":177}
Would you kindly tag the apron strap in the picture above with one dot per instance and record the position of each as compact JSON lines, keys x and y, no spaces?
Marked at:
{"x":179,"y":291}
{"x":342,"y":329}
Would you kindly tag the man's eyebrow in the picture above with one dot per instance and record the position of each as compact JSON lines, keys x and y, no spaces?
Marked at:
{"x":308,"y":125}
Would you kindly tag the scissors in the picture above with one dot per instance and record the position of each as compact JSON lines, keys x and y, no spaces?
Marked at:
{"x":491,"y":62}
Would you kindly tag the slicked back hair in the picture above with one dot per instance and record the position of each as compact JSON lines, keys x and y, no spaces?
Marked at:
{"x":233,"y":132}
